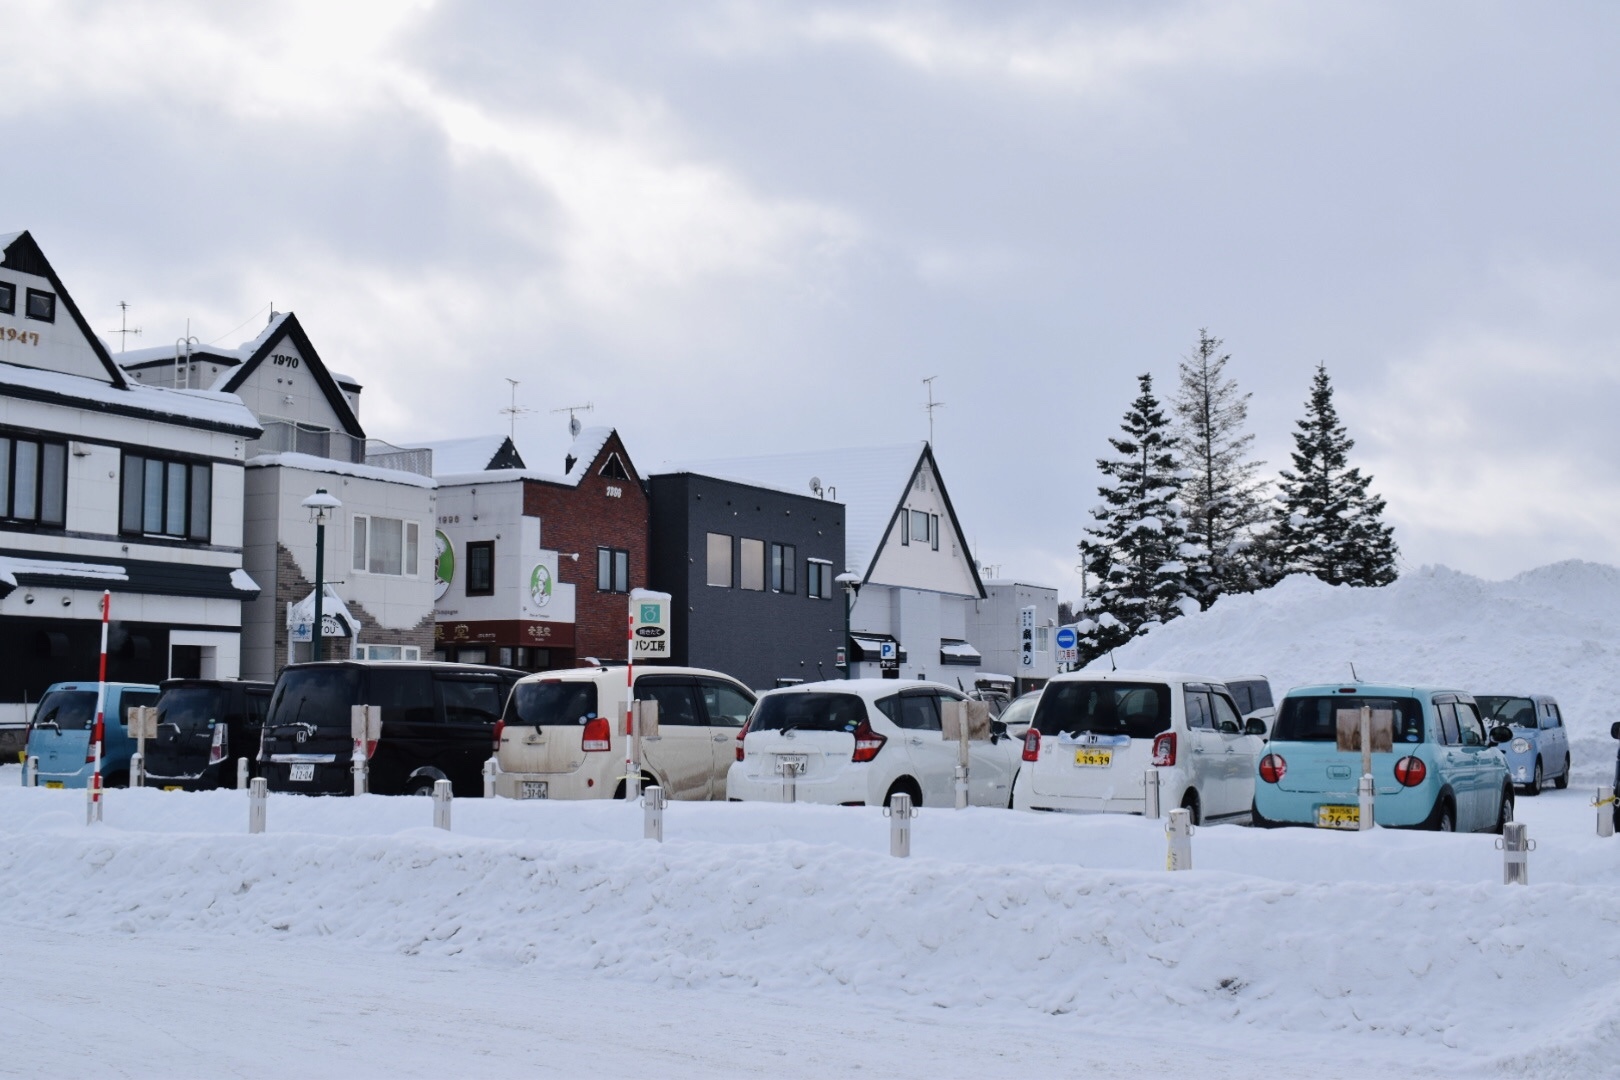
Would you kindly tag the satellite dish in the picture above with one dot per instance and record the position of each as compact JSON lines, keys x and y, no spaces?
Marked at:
{"x":815,"y":485}
{"x":573,"y":425}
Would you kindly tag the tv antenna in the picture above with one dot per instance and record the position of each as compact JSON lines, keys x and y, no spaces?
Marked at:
{"x":573,"y":421}
{"x":931,"y":406}
{"x":124,"y":329}
{"x":513,"y":411}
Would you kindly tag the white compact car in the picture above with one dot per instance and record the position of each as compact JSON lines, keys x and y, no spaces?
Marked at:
{"x":857,"y":742}
{"x":1097,"y":734}
{"x":562,"y":735}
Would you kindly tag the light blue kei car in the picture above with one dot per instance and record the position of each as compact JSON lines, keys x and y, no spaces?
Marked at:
{"x":1434,"y":764}
{"x":59,"y":733}
{"x":1540,"y":748}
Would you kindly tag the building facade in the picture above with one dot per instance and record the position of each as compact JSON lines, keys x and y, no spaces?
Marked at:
{"x":1013,"y":627}
{"x":750,"y":572}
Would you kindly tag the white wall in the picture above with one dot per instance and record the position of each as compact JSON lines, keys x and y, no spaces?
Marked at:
{"x":50,"y":346}
{"x":995,"y":631}
{"x":917,"y":565}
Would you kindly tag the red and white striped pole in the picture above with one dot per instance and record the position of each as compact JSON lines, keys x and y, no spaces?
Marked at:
{"x":632,"y":767}
{"x":100,"y":730}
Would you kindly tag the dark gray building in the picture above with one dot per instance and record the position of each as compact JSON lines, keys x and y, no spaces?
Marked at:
{"x":751,"y":572}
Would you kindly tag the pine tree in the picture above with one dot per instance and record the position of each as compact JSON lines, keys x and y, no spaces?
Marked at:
{"x":1135,"y":549}
{"x":1222,"y":495}
{"x":1328,"y":523}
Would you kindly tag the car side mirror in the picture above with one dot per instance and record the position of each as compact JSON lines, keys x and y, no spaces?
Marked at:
{"x":1255,"y":726}
{"x":998,"y":730}
{"x":1501,"y":734}
{"x":1614,"y":730}
{"x":1229,"y":727}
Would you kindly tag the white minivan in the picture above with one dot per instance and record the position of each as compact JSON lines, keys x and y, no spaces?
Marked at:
{"x":856,"y":742}
{"x":562,"y":735}
{"x":1097,"y":734}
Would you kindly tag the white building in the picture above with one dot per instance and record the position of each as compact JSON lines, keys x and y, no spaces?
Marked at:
{"x":918,"y":580}
{"x":998,"y":625}
{"x":109,"y":484}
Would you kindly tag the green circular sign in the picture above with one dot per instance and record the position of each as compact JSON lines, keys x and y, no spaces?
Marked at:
{"x":444,"y":568}
{"x":540,"y":585}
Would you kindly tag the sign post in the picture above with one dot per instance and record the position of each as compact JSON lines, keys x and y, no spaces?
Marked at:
{"x":1068,"y":645}
{"x":647,"y":639}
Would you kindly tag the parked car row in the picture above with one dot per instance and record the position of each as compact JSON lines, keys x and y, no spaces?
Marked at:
{"x":1220,"y":748}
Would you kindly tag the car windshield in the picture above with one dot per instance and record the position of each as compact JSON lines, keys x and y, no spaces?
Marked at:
{"x":1140,"y":710}
{"x":191,"y":708}
{"x":1020,"y":712}
{"x":69,"y":710}
{"x":316,"y":695}
{"x":1315,"y":719}
{"x":1516,"y":711}
{"x":808,"y":712}
{"x":552,"y":702}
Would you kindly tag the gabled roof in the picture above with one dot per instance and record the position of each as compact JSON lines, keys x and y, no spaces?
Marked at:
{"x":194,"y":408}
{"x":22,"y":254}
{"x":286,"y":326}
{"x":871,"y":482}
{"x":477,"y":453}
{"x":582,"y":457}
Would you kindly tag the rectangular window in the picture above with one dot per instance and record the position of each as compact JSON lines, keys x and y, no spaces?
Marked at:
{"x":167,"y":498}
{"x":818,"y":579}
{"x":481,"y":568}
{"x":612,"y":570}
{"x":720,"y":560}
{"x":919,"y":526}
{"x":783,"y":558}
{"x":8,"y":298}
{"x":752,"y":570}
{"x":33,"y":481}
{"x":933,"y":530}
{"x":41,"y":306}
{"x":385,"y":546}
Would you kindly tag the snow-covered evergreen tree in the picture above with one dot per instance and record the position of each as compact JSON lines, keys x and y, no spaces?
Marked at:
{"x":1328,"y":523}
{"x":1135,"y":550}
{"x":1222,"y":495}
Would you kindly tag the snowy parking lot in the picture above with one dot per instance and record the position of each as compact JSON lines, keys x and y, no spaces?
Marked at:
{"x":352,"y":938}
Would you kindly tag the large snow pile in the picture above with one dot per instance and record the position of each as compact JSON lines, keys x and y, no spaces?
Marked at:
{"x":1554,"y":630}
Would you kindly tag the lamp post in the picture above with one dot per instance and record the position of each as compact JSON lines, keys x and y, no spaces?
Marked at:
{"x":320,"y":506}
{"x":852,"y":585}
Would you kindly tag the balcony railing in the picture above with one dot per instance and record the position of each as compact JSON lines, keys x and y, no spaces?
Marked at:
{"x":291,"y":436}
{"x":386,"y":455}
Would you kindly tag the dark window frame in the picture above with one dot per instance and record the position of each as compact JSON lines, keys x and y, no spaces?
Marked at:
{"x":613,"y":567}
{"x":8,"y":482}
{"x":50,"y":302}
{"x":818,"y":579}
{"x":189,"y":530}
{"x":8,"y":298}
{"x":781,"y":562}
{"x":488,"y":586}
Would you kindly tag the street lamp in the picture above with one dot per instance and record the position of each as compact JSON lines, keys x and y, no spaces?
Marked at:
{"x":320,"y":506}
{"x":852,"y":585}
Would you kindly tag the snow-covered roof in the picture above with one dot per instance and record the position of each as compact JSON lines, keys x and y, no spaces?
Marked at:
{"x":10,"y":566}
{"x":583,"y":452}
{"x":960,"y":650}
{"x":206,"y":406}
{"x":454,"y":457}
{"x":311,"y":463}
{"x":231,"y":357}
{"x":870,"y":483}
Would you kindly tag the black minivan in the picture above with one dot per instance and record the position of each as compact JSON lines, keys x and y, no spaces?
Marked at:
{"x":203,"y":726}
{"x":438,"y":723}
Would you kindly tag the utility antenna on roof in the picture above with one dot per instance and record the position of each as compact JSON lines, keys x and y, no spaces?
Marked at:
{"x":573,"y":421}
{"x":124,"y":329}
{"x":513,"y":411}
{"x":815,"y":487}
{"x":931,"y":406}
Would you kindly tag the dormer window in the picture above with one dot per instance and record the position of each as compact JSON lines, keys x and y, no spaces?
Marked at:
{"x":8,"y":298}
{"x":41,"y":305}
{"x":614,"y":469}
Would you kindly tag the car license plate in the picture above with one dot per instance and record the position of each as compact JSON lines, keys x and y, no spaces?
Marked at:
{"x":173,"y":787}
{"x":799,"y":761}
{"x":301,"y":772}
{"x":532,"y":789}
{"x":1338,"y":817}
{"x":57,"y":784}
{"x":1094,"y":758}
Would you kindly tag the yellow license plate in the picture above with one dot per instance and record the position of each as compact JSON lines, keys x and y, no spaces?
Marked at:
{"x":57,"y":784}
{"x":173,"y":787}
{"x":1338,"y":817}
{"x":1094,"y":757}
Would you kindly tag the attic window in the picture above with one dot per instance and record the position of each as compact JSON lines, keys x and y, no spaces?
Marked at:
{"x":41,"y":306}
{"x":8,"y":298}
{"x":614,"y":469}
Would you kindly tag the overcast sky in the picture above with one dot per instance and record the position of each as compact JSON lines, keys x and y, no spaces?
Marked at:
{"x":739,"y":227}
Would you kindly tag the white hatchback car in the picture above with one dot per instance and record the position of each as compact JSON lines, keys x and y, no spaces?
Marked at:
{"x":562,"y":735}
{"x":858,"y":741}
{"x":1097,"y":734}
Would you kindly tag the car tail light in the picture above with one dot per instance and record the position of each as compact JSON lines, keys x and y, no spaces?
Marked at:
{"x":221,"y":747}
{"x":1411,"y":771}
{"x":742,"y":735}
{"x":867,"y":742}
{"x":1032,"y":745}
{"x":500,"y":726}
{"x":1164,"y":749}
{"x":598,"y":734}
{"x":1273,"y":768}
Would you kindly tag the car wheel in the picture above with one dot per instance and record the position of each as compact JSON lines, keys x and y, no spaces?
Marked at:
{"x":1504,"y":813}
{"x":907,"y":785}
{"x":1447,"y":821}
{"x":1189,"y":803}
{"x":647,"y":781}
{"x":117,"y":779}
{"x":422,"y":785}
{"x":1563,"y":778}
{"x":1534,"y":787}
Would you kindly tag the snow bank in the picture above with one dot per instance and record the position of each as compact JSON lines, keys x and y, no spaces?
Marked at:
{"x":1554,"y":630}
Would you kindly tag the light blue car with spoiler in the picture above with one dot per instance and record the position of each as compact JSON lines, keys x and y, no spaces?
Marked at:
{"x":1434,"y":764}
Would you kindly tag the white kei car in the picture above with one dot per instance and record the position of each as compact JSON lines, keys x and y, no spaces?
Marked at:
{"x":1097,"y":734}
{"x":858,"y":741}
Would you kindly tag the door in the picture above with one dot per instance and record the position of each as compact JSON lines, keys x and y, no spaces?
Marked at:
{"x":1240,"y":752}
{"x":991,"y":767}
{"x":1480,"y":758}
{"x":470,"y":707}
{"x":1206,"y":754}
{"x":726,"y":706}
{"x":412,"y":732}
{"x":1552,"y":727}
{"x":679,"y":754}
{"x":933,"y":760}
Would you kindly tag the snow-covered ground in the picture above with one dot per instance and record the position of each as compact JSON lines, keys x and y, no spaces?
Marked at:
{"x":352,"y":939}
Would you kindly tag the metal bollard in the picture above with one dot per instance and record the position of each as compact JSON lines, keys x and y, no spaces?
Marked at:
{"x":1150,"y":795}
{"x":1605,"y":809}
{"x":31,"y":771}
{"x":961,"y":787}
{"x":358,"y":768}
{"x":1515,"y":847}
{"x":257,"y":792}
{"x":900,"y":812}
{"x":790,"y":780}
{"x":490,"y":768}
{"x":241,"y":774}
{"x":441,"y":805}
{"x":137,"y":769}
{"x":1364,"y":796}
{"x":652,"y":802}
{"x":1179,"y":830}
